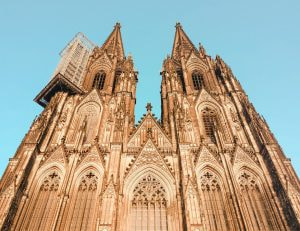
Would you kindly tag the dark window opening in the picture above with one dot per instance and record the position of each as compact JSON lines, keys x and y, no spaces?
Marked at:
{"x":99,"y":80}
{"x":197,"y":80}
{"x":180,"y":75}
{"x":210,"y":123}
{"x":219,"y":75}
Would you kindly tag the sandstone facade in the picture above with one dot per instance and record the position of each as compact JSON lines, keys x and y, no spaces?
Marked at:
{"x":210,"y":163}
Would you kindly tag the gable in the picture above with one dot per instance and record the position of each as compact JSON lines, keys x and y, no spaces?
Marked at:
{"x":204,"y":96}
{"x":57,"y":156}
{"x":149,"y":128}
{"x":195,"y":63}
{"x":92,"y":156}
{"x":99,"y":61}
{"x":243,"y":158}
{"x":205,"y":157}
{"x":149,"y":155}
{"x":92,"y":96}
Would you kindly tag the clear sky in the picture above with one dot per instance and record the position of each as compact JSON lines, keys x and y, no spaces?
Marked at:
{"x":258,"y":39}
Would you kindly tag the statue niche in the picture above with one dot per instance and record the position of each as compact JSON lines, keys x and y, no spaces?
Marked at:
{"x":85,"y":123}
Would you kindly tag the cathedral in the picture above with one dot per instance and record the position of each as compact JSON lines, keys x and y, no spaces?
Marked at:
{"x":210,"y":163}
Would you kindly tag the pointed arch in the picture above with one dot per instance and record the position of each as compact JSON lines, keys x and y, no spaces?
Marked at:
{"x":255,"y":201}
{"x":99,"y":80}
{"x":40,"y":214}
{"x":149,"y":205}
{"x":87,"y":116}
{"x":165,"y":178}
{"x":81,"y":211}
{"x":149,"y":192}
{"x":212,"y":120}
{"x":216,"y":207}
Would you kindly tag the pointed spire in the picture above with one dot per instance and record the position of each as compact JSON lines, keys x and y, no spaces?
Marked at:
{"x":202,"y":50}
{"x":113,"y":44}
{"x":182,"y":44}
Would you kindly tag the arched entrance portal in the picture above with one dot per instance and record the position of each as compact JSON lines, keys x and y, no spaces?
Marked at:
{"x":148,"y":205}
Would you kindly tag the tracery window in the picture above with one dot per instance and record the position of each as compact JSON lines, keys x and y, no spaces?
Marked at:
{"x":197,"y":80}
{"x":149,"y":206}
{"x":256,"y":205}
{"x":214,"y":204}
{"x":46,"y":203}
{"x":99,"y":80}
{"x":84,"y":203}
{"x":209,"y":118}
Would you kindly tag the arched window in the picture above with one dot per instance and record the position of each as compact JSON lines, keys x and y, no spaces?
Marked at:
{"x":215,"y":207}
{"x":209,"y":118}
{"x":46,"y":203}
{"x":149,"y":205}
{"x":255,"y":203}
{"x":99,"y":80}
{"x":197,"y":80}
{"x":84,"y":203}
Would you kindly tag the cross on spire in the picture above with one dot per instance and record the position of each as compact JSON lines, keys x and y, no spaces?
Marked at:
{"x":149,"y":107}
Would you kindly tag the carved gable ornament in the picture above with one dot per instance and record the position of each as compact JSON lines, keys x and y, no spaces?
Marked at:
{"x":8,"y":191}
{"x":93,"y":96}
{"x":243,"y":158}
{"x":109,"y":191}
{"x":92,"y":156}
{"x":149,"y":155}
{"x":191,"y":188}
{"x":101,"y":62}
{"x":205,"y":156}
{"x":194,"y":62}
{"x":58,"y":156}
{"x":204,"y":96}
{"x":149,"y":128}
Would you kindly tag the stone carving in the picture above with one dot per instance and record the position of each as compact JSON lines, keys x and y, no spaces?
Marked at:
{"x":209,"y":163}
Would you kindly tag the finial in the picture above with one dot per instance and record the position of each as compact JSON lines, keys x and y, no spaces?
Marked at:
{"x":178,"y":24}
{"x":149,"y":107}
{"x":129,"y":55}
{"x":201,"y":49}
{"x":118,"y":25}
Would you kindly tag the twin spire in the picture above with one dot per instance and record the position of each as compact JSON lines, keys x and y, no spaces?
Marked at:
{"x":113,"y":44}
{"x":182,"y":44}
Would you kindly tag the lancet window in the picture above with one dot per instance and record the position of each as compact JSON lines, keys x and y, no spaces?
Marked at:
{"x":255,"y":203}
{"x":84,"y":203}
{"x":215,"y":207}
{"x":197,"y":80}
{"x":209,"y":118}
{"x":46,"y":203}
{"x":99,"y":80}
{"x":149,"y":206}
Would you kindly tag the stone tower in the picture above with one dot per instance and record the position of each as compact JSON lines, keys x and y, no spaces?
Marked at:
{"x":210,"y":162}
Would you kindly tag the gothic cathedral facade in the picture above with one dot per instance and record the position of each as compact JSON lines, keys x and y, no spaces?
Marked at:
{"x":210,"y":163}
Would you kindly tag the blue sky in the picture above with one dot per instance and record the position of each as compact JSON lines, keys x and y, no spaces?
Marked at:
{"x":258,"y":39}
